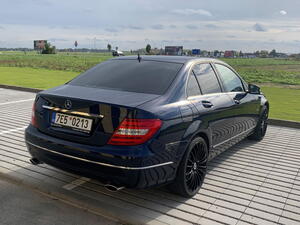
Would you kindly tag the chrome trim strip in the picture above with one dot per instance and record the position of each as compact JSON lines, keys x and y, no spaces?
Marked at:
{"x":72,"y":112}
{"x":229,"y":139}
{"x":100,"y":163}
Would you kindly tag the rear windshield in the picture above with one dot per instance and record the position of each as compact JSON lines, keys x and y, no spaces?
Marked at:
{"x":130,"y":75}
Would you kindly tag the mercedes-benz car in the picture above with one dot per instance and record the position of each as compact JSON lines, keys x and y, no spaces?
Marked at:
{"x":144,"y":121}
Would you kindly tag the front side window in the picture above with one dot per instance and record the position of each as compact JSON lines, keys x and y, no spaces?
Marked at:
{"x":207,"y":78}
{"x":232,"y":83}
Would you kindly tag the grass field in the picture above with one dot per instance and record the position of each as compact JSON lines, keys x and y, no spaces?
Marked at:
{"x":284,"y":103}
{"x":34,"y":78}
{"x":76,"y":62}
{"x":46,"y":71}
{"x":260,"y":70}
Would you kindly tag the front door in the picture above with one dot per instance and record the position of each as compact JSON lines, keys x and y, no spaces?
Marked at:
{"x":246,"y":106}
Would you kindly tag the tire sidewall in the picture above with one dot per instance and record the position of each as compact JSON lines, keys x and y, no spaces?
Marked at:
{"x":259,"y":127}
{"x":184,"y":164}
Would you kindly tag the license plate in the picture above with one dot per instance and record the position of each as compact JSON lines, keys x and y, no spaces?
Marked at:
{"x":74,"y":122}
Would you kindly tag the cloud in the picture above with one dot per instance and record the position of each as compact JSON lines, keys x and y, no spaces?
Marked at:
{"x":211,"y":26}
{"x":260,"y":28}
{"x":231,"y":36}
{"x":113,"y":30}
{"x":167,"y":41}
{"x":173,"y":26}
{"x":135,"y":27}
{"x":189,"y":12}
{"x":131,"y":42}
{"x":57,"y":39}
{"x":283,"y":12}
{"x":68,"y":27}
{"x":2,"y":28}
{"x":157,"y":27}
{"x":192,"y":27}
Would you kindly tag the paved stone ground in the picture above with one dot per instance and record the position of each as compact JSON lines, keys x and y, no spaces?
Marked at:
{"x":251,"y":183}
{"x":22,"y":206}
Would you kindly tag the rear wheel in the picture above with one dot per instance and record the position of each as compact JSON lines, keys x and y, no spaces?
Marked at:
{"x":192,"y":169}
{"x":261,"y":128}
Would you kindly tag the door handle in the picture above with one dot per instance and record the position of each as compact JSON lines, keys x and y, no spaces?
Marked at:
{"x":207,"y":104}
{"x":237,"y":101}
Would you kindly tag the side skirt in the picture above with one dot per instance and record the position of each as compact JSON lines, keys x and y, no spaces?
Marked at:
{"x":221,"y":147}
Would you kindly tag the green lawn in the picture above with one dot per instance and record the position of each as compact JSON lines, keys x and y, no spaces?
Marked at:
{"x":260,"y":70}
{"x":76,"y":62}
{"x":34,"y":78}
{"x":284,"y":103}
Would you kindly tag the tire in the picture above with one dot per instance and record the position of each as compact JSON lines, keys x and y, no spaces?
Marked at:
{"x":192,"y":169}
{"x":262,"y":125}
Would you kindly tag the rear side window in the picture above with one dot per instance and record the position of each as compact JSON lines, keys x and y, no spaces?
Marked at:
{"x":192,"y":87}
{"x":231,"y":81}
{"x":207,"y":78}
{"x":130,"y":75}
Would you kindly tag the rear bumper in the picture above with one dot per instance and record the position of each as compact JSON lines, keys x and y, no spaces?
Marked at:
{"x":138,"y":171}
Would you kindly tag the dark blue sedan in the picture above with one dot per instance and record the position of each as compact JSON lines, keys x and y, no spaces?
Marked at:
{"x":138,"y":122}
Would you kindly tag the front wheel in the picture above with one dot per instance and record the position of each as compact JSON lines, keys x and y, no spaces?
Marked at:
{"x":261,"y":128}
{"x":192,"y":169}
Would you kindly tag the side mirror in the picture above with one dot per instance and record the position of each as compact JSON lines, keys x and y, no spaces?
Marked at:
{"x":253,"y":89}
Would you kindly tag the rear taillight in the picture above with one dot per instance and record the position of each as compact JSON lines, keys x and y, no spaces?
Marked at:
{"x":33,"y":118}
{"x":135,"y":131}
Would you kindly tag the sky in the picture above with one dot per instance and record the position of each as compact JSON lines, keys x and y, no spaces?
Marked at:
{"x":246,"y":25}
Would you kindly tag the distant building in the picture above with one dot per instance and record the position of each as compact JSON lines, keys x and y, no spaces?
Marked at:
{"x":39,"y":44}
{"x":173,"y":50}
{"x":229,"y":54}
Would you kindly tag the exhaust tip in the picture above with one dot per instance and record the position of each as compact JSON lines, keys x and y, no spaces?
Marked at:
{"x":113,"y":188}
{"x":35,"y":161}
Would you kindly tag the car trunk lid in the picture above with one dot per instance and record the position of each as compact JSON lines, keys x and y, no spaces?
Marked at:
{"x":106,"y":108}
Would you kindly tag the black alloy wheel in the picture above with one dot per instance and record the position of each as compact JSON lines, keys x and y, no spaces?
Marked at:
{"x":262,"y":125}
{"x":192,"y":170}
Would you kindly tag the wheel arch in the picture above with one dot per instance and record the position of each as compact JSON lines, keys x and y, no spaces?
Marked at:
{"x":205,"y":136}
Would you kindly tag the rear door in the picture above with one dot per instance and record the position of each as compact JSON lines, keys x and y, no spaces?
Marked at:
{"x":214,"y":107}
{"x":246,"y":106}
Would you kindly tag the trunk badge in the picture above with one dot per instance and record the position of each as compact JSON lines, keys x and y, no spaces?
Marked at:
{"x":68,"y":104}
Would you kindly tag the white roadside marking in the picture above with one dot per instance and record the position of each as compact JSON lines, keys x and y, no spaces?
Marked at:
{"x":76,"y":183}
{"x":12,"y":130}
{"x":24,"y":100}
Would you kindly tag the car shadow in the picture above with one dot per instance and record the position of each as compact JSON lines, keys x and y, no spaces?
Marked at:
{"x":130,"y":205}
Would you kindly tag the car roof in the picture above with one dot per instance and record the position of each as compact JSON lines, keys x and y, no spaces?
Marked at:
{"x":173,"y":59}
